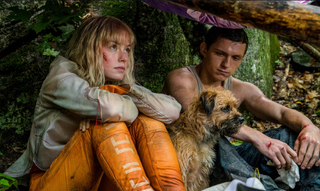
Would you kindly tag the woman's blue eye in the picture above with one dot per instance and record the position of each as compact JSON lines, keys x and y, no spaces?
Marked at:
{"x":127,"y":50}
{"x":113,"y":47}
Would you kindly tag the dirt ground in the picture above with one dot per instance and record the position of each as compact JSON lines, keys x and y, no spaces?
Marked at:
{"x":295,"y":87}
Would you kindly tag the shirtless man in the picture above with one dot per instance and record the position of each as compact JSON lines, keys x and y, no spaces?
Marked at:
{"x":223,"y":51}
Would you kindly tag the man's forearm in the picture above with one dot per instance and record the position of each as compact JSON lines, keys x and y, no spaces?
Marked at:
{"x":248,"y":134}
{"x":294,"y":120}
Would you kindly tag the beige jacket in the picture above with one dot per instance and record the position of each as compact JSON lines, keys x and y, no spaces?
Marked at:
{"x":65,"y":99}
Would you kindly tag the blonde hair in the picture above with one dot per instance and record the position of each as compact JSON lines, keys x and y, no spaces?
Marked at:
{"x":85,"y":48}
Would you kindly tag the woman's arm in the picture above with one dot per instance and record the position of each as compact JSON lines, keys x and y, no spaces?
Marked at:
{"x":161,"y":107}
{"x":70,"y":92}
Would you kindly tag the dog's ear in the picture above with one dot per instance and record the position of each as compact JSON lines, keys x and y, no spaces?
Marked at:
{"x":207,"y":102}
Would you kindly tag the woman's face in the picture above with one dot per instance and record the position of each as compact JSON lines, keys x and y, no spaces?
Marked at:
{"x":115,"y":60}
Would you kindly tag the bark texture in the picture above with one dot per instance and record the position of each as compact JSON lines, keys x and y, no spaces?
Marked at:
{"x":284,"y":18}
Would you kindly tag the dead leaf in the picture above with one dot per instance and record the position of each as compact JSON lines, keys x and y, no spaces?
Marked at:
{"x":293,"y":106}
{"x":286,"y":71}
{"x":308,"y":99}
{"x":313,"y":104}
{"x":260,"y":126}
{"x":313,"y":94}
{"x":296,"y":84}
{"x":16,"y":149}
{"x":307,"y":77}
{"x":306,"y":86}
{"x":290,"y":85}
{"x":283,"y":93}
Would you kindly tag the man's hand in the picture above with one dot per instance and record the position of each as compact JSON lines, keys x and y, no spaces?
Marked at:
{"x":307,"y":146}
{"x":279,"y":152}
{"x":84,"y":124}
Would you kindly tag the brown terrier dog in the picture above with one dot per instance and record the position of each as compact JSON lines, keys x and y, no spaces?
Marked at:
{"x":198,"y":129}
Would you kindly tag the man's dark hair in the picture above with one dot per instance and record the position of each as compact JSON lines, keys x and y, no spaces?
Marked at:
{"x":235,"y":35}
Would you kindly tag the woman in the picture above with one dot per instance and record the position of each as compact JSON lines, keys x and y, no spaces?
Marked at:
{"x":59,"y":157}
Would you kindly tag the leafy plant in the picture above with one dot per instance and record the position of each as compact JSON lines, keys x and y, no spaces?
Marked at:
{"x":17,"y":115}
{"x":279,"y":62}
{"x":6,"y":182}
{"x":54,"y":26}
{"x":19,"y":14}
{"x":56,"y":23}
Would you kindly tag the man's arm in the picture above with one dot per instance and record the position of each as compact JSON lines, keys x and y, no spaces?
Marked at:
{"x":278,"y":151}
{"x":182,"y":86}
{"x":307,"y":144}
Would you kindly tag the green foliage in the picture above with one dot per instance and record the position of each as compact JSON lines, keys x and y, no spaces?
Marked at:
{"x":50,"y":52}
{"x":237,"y":142}
{"x":23,"y":71}
{"x":6,"y":182}
{"x":22,"y":74}
{"x":279,"y":62}
{"x":56,"y":22}
{"x":56,"y":14}
{"x":19,"y":14}
{"x":17,"y":115}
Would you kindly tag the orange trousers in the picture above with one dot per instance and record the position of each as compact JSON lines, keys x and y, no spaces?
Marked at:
{"x":111,"y":157}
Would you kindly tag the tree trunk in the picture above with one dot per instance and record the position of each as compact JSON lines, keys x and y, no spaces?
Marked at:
{"x":258,"y":65}
{"x":284,"y":18}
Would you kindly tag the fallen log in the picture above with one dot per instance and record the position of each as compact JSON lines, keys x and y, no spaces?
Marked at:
{"x":312,"y":51}
{"x":284,"y":18}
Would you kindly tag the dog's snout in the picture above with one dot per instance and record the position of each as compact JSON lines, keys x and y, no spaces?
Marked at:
{"x":240,"y":119}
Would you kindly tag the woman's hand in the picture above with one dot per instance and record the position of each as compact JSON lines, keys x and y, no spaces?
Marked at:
{"x":84,"y":124}
{"x":279,"y":152}
{"x":307,"y":146}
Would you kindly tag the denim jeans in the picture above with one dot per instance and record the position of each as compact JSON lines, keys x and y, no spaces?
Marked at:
{"x":238,"y":162}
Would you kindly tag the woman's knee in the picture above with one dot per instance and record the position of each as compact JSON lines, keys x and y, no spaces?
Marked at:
{"x":102,"y":132}
{"x":148,"y":124}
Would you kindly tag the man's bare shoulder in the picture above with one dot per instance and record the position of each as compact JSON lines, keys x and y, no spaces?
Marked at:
{"x":182,"y":85}
{"x":245,"y":90}
{"x":180,"y":78}
{"x":240,"y":86}
{"x":181,"y":73}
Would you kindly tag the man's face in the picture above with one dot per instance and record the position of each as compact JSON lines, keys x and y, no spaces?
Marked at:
{"x":223,"y":58}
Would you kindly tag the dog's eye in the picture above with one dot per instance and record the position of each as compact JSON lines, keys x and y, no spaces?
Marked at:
{"x":226,"y":109}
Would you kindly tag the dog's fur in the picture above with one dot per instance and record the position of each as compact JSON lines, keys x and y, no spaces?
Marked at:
{"x":198,"y":129}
